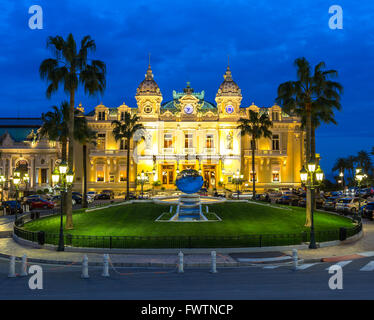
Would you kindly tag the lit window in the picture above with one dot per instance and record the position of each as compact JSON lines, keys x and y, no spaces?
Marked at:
{"x":252,"y":175}
{"x":275,"y":116}
{"x":209,"y":141}
{"x":275,"y":176}
{"x":168,"y":140}
{"x":275,"y":141}
{"x":101,"y":141}
{"x":122,"y":116}
{"x":100,"y":174}
{"x":101,"y":115}
{"x":188,"y":140}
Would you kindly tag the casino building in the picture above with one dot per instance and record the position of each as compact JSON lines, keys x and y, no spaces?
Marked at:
{"x":186,"y":132}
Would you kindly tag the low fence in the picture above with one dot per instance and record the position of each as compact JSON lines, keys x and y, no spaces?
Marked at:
{"x":176,"y":242}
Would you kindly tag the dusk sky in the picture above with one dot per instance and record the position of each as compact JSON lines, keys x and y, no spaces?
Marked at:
{"x":190,"y":41}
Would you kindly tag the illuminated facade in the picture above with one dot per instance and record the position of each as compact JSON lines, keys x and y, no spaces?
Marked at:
{"x":186,"y":132}
{"x":190,"y":132}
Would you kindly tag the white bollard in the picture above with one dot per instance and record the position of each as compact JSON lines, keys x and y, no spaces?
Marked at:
{"x":12,"y":267}
{"x":4,"y":210}
{"x":105,"y":265}
{"x":214,"y":262}
{"x":180,"y":265}
{"x":85,"y":268}
{"x":24,"y":266}
{"x":295,"y":259}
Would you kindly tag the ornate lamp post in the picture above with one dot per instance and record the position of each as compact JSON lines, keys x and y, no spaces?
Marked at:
{"x":65,"y":177}
{"x":142,"y":179}
{"x":18,"y":178}
{"x":359,"y":176}
{"x":237,"y":179}
{"x":312,"y":178}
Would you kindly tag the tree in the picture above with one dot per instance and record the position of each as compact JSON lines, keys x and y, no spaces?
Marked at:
{"x":341,"y":165}
{"x":312,"y":97}
{"x":364,"y":162}
{"x":125,"y":130}
{"x":256,"y":126}
{"x":85,"y":135}
{"x":55,"y":127}
{"x":70,"y":67}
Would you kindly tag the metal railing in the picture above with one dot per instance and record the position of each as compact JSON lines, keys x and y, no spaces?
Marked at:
{"x":177,"y":242}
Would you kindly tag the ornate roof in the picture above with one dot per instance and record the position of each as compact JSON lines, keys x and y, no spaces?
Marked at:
{"x":148,"y":86}
{"x":228,"y":87}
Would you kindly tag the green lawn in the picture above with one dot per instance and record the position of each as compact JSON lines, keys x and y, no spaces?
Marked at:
{"x":238,"y":219}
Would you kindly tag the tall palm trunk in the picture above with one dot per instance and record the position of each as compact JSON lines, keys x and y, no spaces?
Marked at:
{"x":84,"y":201}
{"x":128,"y":171}
{"x":253,"y":143}
{"x":68,"y":202}
{"x":308,"y":218}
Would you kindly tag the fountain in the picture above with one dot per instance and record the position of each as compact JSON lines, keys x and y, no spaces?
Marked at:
{"x":189,"y":203}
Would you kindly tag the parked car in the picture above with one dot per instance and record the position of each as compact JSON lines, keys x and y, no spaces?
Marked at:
{"x":319,"y":202}
{"x":368,"y":211}
{"x":330,"y":203}
{"x":349,"y":205}
{"x":11,"y":206}
{"x":245,"y":195}
{"x":56,"y":200}
{"x":109,"y":192}
{"x":41,"y":204}
{"x":92,"y":194}
{"x":103,"y":196}
{"x":288,"y":199}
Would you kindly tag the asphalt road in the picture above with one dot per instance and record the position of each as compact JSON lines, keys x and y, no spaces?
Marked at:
{"x":61,"y":282}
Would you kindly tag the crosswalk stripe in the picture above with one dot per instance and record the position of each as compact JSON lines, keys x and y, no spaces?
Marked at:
{"x":271,"y":267}
{"x":340,"y":263}
{"x":368,"y":267}
{"x":305,"y":266}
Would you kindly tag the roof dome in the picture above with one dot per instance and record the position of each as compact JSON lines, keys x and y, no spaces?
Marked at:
{"x":148,"y":86}
{"x":228,"y":87}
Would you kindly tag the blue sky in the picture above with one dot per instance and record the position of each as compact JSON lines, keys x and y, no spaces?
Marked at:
{"x":190,"y":41}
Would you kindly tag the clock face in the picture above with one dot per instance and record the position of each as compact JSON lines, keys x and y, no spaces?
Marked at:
{"x":229,"y":109}
{"x":147,"y":109}
{"x":188,"y":109}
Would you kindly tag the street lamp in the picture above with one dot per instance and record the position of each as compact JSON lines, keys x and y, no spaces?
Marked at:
{"x":18,"y":177}
{"x":142,"y":179}
{"x":359,"y":176}
{"x":312,"y":178}
{"x":237,"y":179}
{"x":65,"y":176}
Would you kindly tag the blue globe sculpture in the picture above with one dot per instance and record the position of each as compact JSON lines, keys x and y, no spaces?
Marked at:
{"x":189,"y":181}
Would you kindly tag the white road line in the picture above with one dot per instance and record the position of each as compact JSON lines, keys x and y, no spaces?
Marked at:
{"x":264,"y":259}
{"x":271,"y":267}
{"x":368,"y":267}
{"x":305,"y":266}
{"x":340,"y":263}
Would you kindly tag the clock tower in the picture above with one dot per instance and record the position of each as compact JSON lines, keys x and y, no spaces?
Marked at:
{"x":228,"y":97}
{"x":148,"y":97}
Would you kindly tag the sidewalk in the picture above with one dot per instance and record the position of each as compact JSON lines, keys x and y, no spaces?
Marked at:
{"x":351,"y":250}
{"x":8,"y":247}
{"x":344,"y":251}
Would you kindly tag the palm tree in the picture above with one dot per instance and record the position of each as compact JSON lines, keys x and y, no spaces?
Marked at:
{"x":125,"y":130}
{"x":85,"y":135}
{"x":257,"y":126}
{"x":341,"y":165}
{"x":312,"y":97}
{"x":54,"y":126}
{"x":70,"y":67}
{"x":363,"y":160}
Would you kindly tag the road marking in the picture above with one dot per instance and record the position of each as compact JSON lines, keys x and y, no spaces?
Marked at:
{"x":305,"y":266}
{"x":340,"y":263}
{"x":368,"y":267}
{"x":271,"y":267}
{"x":264,"y":259}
